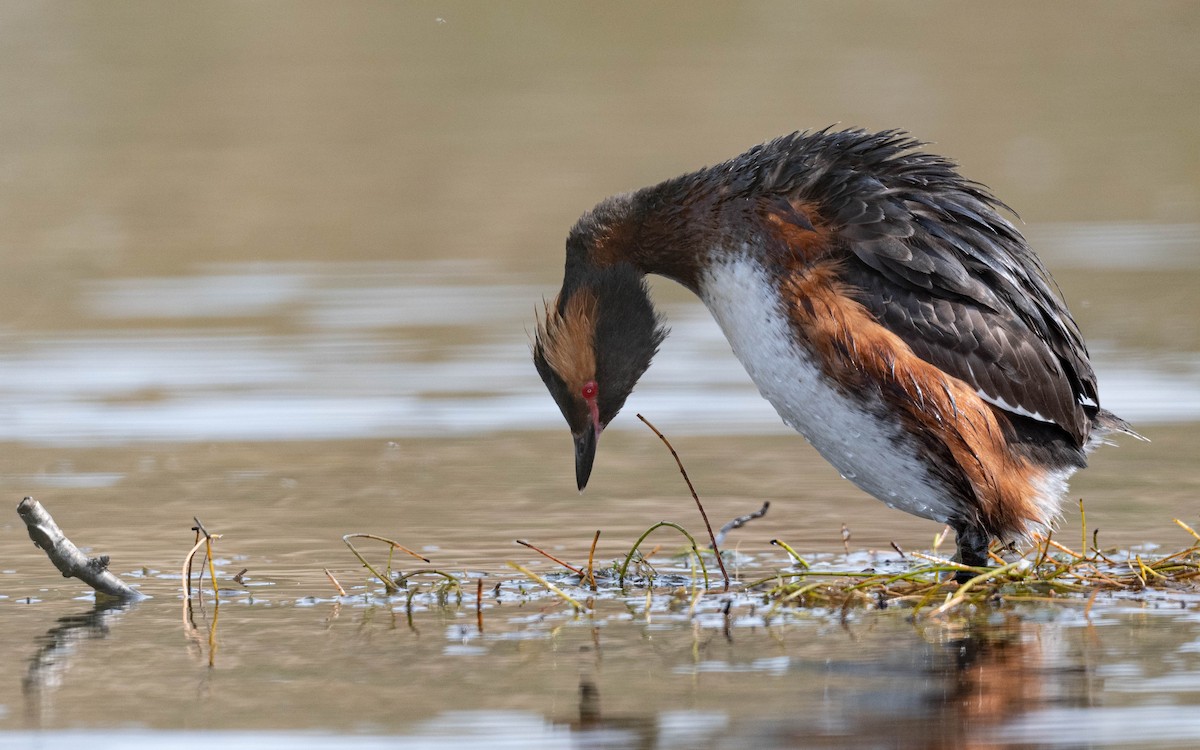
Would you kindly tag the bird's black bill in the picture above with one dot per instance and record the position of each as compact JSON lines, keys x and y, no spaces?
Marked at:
{"x":585,"y":454}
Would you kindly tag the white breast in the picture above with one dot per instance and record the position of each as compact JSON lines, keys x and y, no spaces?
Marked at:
{"x":853,"y":434}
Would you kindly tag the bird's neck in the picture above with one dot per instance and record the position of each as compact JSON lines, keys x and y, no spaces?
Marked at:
{"x":667,"y":230}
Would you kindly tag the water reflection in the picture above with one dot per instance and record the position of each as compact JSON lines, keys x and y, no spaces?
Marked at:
{"x":997,"y":682}
{"x":926,"y":690}
{"x":265,"y":351}
{"x":540,"y":676}
{"x":57,"y":650}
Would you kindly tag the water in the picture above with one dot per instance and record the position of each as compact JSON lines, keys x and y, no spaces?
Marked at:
{"x":537,"y":675}
{"x":310,"y":351}
{"x":280,"y":277}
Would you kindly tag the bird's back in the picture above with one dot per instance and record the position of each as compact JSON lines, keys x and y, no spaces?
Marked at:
{"x":929,"y":255}
{"x":911,"y":303}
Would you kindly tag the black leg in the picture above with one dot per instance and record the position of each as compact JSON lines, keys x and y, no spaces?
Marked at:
{"x":973,"y":543}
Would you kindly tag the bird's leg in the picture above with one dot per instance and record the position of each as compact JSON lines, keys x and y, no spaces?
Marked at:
{"x":973,"y":543}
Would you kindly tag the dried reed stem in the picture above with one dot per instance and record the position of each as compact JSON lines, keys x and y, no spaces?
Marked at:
{"x":712,"y":537}
{"x":544,"y":553}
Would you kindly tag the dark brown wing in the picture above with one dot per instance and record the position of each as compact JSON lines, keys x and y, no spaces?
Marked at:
{"x":937,"y":265}
{"x":959,"y":285}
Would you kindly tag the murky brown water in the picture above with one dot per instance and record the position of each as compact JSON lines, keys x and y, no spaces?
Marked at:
{"x":273,"y":266}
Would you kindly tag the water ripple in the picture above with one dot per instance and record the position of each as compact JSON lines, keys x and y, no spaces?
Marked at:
{"x":318,"y":350}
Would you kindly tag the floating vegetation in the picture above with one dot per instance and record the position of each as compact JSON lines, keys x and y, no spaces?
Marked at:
{"x":1047,"y":572}
{"x":921,"y":583}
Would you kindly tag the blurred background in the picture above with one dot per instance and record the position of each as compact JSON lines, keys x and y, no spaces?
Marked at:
{"x":265,"y":231}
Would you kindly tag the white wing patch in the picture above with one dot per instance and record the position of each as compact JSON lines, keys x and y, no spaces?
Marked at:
{"x":997,"y":401}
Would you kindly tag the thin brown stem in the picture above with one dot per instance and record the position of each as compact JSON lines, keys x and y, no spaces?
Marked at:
{"x":479,"y":604}
{"x":712,"y":537}
{"x":376,"y":537}
{"x":591,"y":571}
{"x":341,"y":591}
{"x":544,"y":553}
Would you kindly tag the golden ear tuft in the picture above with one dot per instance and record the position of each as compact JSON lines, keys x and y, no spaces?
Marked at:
{"x":568,"y":341}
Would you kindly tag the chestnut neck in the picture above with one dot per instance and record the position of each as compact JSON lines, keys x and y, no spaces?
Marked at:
{"x":668,"y":229}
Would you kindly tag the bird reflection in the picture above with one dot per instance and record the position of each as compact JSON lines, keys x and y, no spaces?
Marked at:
{"x":947,"y":688}
{"x":954,"y":689}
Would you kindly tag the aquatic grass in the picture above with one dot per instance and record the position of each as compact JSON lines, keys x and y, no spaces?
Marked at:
{"x":203,"y":539}
{"x":694,"y":550}
{"x":591,"y":571}
{"x":712,"y":537}
{"x":548,"y":586}
{"x":1047,"y":572}
{"x":795,"y":555}
{"x":391,"y":586}
{"x":920,"y":582}
{"x":450,"y":578}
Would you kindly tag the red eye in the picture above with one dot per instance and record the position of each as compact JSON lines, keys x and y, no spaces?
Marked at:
{"x":589,"y":390}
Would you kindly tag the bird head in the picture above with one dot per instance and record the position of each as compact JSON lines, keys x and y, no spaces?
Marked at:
{"x":591,"y":347}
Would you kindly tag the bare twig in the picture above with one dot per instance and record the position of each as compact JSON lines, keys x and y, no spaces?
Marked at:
{"x":376,"y":537}
{"x":544,"y":553}
{"x":479,"y":604}
{"x":208,"y":555}
{"x":72,"y":563}
{"x":941,"y":561}
{"x":683,"y":471}
{"x":741,"y":521}
{"x":1061,"y":548}
{"x":186,"y":573}
{"x":940,"y":537}
{"x":450,"y":578}
{"x":341,"y":591}
{"x":591,"y":571}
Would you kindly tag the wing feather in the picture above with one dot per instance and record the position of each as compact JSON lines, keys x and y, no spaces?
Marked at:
{"x":981,"y":316}
{"x":935,"y":262}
